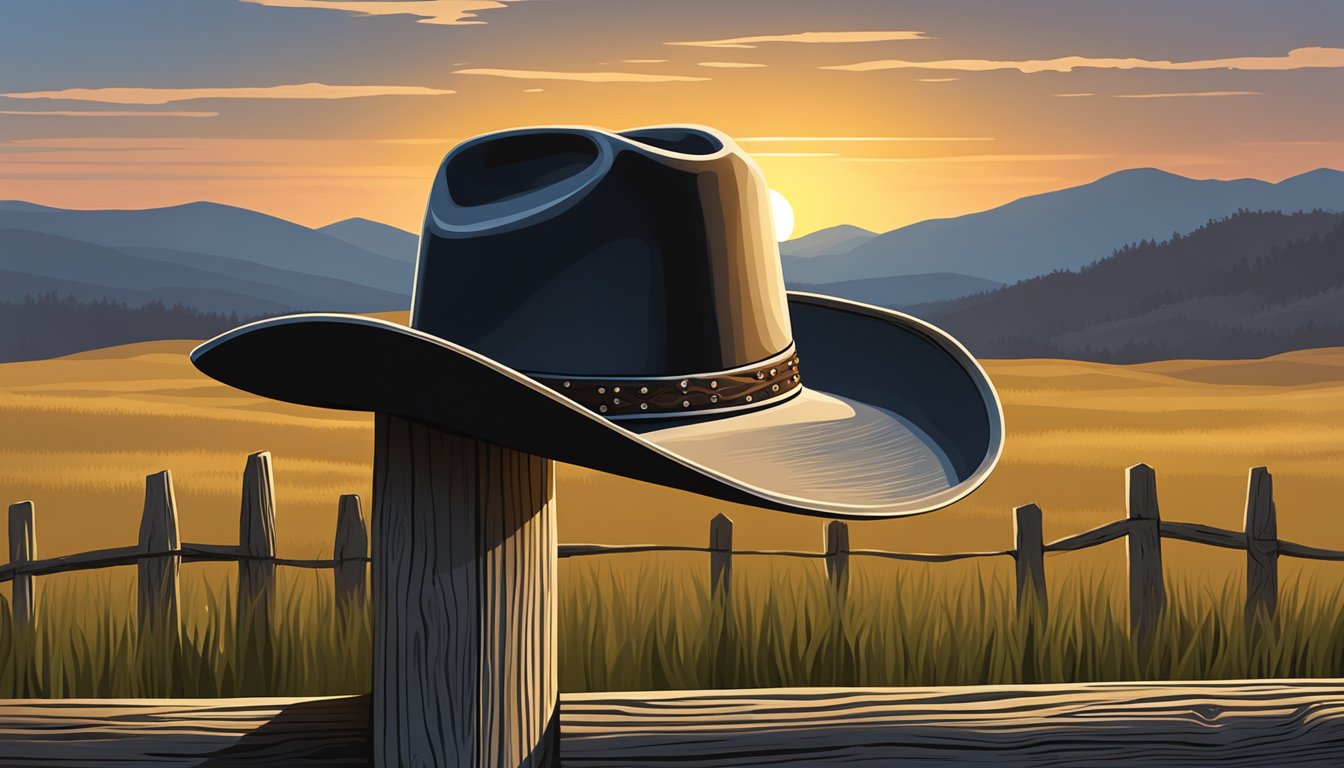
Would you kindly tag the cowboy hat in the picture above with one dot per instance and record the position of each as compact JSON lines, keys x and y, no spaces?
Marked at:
{"x":616,"y":301}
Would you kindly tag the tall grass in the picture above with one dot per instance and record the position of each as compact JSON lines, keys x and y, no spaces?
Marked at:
{"x":655,"y":626}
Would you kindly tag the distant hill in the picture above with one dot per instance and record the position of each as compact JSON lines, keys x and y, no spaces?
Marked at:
{"x":50,"y":326}
{"x":375,"y":237}
{"x":1066,"y":229}
{"x":827,"y":242}
{"x":1249,"y":285}
{"x":219,"y":230}
{"x":903,"y":290}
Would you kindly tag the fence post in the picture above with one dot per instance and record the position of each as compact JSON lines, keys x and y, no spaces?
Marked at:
{"x":837,"y":556}
{"x":350,"y":550}
{"x":22,"y":549}
{"x":158,"y":592}
{"x":1147,"y":594}
{"x":256,"y":569}
{"x":1262,"y":546}
{"x":721,"y":555}
{"x":1030,"y":558}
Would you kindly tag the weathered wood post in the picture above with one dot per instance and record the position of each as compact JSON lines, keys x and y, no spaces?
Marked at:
{"x":1147,"y":593}
{"x":721,"y":555}
{"x":350,"y":552}
{"x":1030,"y":559}
{"x":1262,"y":546}
{"x":158,"y":585}
{"x":22,"y":549}
{"x":256,"y":570}
{"x":837,"y":556}
{"x":464,"y":568}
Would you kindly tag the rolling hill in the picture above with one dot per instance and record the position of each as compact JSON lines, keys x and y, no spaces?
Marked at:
{"x":1249,"y":285}
{"x":1065,"y":229}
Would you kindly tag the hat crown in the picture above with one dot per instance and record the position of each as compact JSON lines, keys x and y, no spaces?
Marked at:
{"x":579,"y":252}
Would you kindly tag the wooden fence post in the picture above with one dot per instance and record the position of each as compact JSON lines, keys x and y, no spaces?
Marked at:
{"x":1147,"y":593}
{"x":1262,"y":546}
{"x":158,"y":586}
{"x":837,"y":556}
{"x":464,"y":598}
{"x":350,"y":551}
{"x":22,"y":549}
{"x":256,"y":570}
{"x":1030,"y":558}
{"x":721,"y":555}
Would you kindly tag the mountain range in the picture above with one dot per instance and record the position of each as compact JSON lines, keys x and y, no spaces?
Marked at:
{"x":1065,"y":229}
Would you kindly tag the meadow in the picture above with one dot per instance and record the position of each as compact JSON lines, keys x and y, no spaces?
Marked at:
{"x":78,"y":434}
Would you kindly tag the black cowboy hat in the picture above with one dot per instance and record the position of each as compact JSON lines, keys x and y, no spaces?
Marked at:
{"x":615,"y":300}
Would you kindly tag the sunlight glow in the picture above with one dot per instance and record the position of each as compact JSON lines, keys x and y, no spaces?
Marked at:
{"x":782,"y":214}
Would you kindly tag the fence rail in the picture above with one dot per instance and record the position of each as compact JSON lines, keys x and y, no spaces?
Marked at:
{"x":159,"y":551}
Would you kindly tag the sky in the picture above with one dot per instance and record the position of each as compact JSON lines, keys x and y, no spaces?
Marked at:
{"x":877,"y":113}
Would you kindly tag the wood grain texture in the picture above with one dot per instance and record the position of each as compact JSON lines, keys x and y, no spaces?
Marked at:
{"x":157,"y":584}
{"x":1237,"y":724}
{"x":1147,"y":592}
{"x":256,"y":537}
{"x":464,"y":567}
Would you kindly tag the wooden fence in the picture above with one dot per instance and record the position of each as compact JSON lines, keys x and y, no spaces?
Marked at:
{"x":159,"y":552}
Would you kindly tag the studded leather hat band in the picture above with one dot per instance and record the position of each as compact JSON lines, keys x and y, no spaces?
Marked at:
{"x":619,"y":397}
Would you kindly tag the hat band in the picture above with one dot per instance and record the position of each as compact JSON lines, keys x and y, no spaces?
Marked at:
{"x":618,"y":397}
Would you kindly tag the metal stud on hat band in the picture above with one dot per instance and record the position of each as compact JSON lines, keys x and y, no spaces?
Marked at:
{"x":615,"y":397}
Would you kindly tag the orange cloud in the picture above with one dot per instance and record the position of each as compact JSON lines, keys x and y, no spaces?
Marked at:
{"x":730,"y":64}
{"x":806,"y":37}
{"x":450,"y":12}
{"x":106,"y":113}
{"x":580,"y":77}
{"x":169,"y":95}
{"x":1298,"y":58}
{"x":1185,"y":94}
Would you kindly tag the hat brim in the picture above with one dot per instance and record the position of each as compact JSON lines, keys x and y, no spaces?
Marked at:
{"x":894,"y":418}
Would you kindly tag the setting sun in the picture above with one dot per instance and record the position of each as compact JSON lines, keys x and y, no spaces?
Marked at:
{"x":782,"y":214}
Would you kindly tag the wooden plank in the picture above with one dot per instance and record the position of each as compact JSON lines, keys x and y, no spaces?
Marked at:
{"x":1090,"y":538}
{"x":256,"y":571}
{"x":1147,"y":593}
{"x":1237,"y":724}
{"x":22,"y":550}
{"x":1262,"y":547}
{"x":1030,"y":559}
{"x":464,"y":595}
{"x":581,"y":550}
{"x":921,"y":557}
{"x":157,"y":595}
{"x":837,"y":556}
{"x":721,"y":555}
{"x":1293,"y":549}
{"x":351,"y":551}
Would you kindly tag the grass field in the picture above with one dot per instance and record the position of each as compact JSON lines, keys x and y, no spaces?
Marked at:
{"x":78,"y":434}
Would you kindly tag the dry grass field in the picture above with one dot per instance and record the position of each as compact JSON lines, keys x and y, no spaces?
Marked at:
{"x":78,"y":434}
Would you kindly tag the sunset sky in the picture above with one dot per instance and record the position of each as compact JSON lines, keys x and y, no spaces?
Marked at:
{"x":872,"y":113}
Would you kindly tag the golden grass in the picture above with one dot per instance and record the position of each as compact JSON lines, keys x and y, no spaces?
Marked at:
{"x":78,"y":434}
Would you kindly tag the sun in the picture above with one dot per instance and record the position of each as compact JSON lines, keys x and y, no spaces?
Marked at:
{"x":782,"y":214}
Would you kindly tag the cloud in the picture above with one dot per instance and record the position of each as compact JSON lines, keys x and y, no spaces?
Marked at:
{"x":971,"y":158}
{"x":936,"y":79}
{"x":804,"y":139}
{"x":1298,"y":58}
{"x":169,"y":95}
{"x":795,"y":154}
{"x":1072,"y":95}
{"x":805,"y":37}
{"x":580,"y":77}
{"x":1185,"y":94}
{"x":730,"y":64}
{"x":453,"y":12}
{"x":107,"y":113}
{"x":644,"y":61}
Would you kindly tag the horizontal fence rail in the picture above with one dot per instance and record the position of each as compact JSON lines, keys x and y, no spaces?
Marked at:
{"x":159,"y":551}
